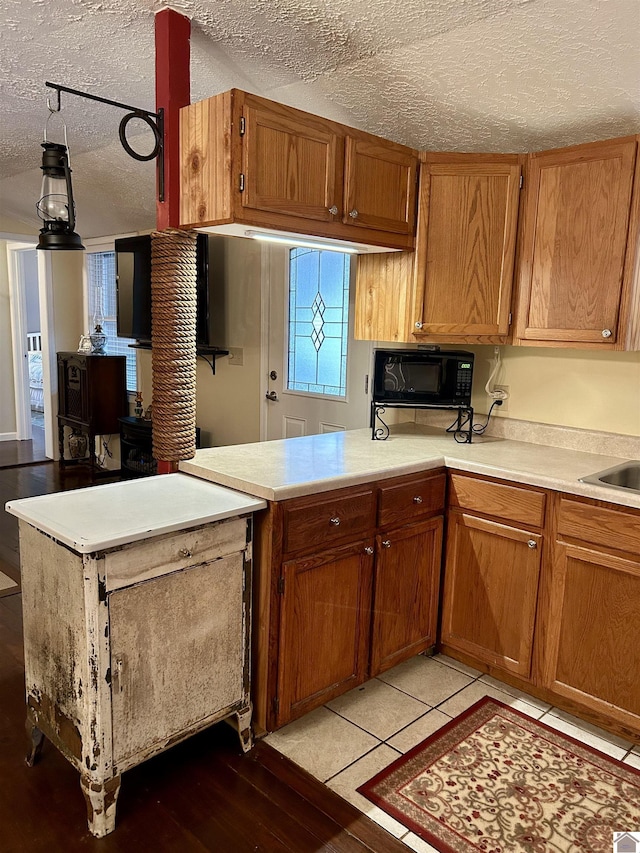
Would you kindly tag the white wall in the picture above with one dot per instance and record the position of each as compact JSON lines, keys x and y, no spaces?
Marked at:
{"x":228,"y":404}
{"x":572,"y":387}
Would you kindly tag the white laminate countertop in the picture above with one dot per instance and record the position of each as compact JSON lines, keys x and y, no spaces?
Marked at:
{"x":100,"y":517}
{"x":287,"y":468}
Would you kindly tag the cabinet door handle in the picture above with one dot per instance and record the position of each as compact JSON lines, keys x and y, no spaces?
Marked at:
{"x":353,"y":213}
{"x":333,"y":210}
{"x":606,"y":333}
{"x":418,"y":324}
{"x":117,"y":674}
{"x":185,"y":552}
{"x":386,"y":543}
{"x":368,"y":550}
{"x":335,"y":521}
{"x":417,"y":499}
{"x":532,"y":543}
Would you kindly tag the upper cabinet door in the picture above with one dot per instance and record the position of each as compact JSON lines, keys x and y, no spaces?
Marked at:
{"x":574,"y":243}
{"x":380,"y":185}
{"x":466,"y":244}
{"x":292,"y":162}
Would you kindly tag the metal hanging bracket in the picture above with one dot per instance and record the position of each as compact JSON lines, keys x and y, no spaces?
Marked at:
{"x":154,"y":120}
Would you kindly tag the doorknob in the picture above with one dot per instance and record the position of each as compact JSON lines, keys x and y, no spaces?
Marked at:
{"x":271,"y":395}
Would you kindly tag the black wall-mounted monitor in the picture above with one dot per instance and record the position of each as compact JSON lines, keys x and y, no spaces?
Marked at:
{"x":133,"y":278}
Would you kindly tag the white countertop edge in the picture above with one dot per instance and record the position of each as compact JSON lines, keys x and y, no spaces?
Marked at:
{"x":620,"y":497}
{"x":40,"y":512}
{"x":82,"y":546}
{"x":310,"y":487}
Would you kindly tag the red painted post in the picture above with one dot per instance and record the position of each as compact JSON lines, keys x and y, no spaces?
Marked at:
{"x":173,"y":91}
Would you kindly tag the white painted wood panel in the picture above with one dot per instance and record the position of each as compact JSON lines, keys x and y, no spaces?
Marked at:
{"x":142,"y":561}
{"x":163,"y":689}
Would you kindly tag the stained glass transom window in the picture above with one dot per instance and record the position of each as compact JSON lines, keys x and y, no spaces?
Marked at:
{"x":318,"y":321}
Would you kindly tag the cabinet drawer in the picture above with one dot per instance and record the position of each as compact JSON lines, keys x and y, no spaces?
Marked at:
{"x":611,"y":528}
{"x":410,"y":498}
{"x":152,"y":558}
{"x":328,"y":519}
{"x":508,"y":503}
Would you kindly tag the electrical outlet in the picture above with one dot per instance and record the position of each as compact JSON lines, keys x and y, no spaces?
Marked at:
{"x":235,"y":356}
{"x":505,"y":403}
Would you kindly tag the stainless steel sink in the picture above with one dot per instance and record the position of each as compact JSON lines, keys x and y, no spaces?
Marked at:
{"x":625,"y":476}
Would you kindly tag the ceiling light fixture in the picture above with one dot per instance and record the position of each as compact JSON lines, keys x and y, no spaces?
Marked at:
{"x":56,"y":206}
{"x":303,"y":242}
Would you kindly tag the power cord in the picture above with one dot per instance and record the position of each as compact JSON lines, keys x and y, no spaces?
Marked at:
{"x":495,"y":393}
{"x":460,"y":435}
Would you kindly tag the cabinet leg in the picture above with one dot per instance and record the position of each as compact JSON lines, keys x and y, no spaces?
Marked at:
{"x":244,"y":728}
{"x":36,"y":739}
{"x":101,"y":800}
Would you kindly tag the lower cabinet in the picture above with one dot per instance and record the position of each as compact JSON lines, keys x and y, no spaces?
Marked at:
{"x":347,"y":586}
{"x":405,"y":596}
{"x":324,"y":626}
{"x":132,"y":649}
{"x":492,"y":569}
{"x":589,"y":630}
{"x":491,"y":590}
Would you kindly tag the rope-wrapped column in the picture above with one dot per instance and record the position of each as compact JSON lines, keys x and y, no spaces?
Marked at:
{"x":173,"y":344}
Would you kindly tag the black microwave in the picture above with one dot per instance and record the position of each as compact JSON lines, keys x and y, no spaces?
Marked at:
{"x":422,"y":376}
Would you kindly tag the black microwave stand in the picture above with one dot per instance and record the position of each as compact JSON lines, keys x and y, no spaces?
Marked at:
{"x":381,"y":432}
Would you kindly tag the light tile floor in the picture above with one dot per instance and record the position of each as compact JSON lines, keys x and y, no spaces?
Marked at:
{"x":352,"y":738}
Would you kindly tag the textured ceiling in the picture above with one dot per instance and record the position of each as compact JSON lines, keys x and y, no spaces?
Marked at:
{"x":465,"y":75}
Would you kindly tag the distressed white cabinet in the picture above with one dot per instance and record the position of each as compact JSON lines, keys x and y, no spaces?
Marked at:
{"x":132,"y":648}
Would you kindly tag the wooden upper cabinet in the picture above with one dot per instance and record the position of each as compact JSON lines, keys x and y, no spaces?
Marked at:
{"x":248,"y":161}
{"x":578,"y":247}
{"x":292,"y":163}
{"x":471,"y":215}
{"x":458,"y":286}
{"x":380,"y":185}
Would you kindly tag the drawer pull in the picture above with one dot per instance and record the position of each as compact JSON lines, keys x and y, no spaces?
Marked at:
{"x":117,"y":674}
{"x":417,"y":499}
{"x":386,"y":543}
{"x":185,"y":552}
{"x":368,"y":550}
{"x":532,"y":543}
{"x":335,"y":521}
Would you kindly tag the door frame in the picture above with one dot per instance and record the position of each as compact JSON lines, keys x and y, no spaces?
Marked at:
{"x":17,"y":304}
{"x":18,"y":311}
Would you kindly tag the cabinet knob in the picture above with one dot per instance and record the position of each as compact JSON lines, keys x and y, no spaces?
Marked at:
{"x":606,"y":333}
{"x":185,"y":552}
{"x":532,"y":543}
{"x":418,"y":324}
{"x":386,"y":543}
{"x":333,"y":210}
{"x":417,"y":499}
{"x":368,"y":550}
{"x":335,"y":521}
{"x":353,"y":213}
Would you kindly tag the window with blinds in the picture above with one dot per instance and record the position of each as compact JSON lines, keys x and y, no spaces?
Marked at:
{"x":101,"y":278}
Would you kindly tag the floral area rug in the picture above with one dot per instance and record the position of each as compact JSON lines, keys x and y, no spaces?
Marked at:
{"x":496,"y":781}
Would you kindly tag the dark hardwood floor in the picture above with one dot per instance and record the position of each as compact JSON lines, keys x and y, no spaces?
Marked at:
{"x":14,"y":453}
{"x":202,"y":795}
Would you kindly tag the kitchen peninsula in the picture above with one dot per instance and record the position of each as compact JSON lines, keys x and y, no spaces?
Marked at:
{"x":539,"y":572}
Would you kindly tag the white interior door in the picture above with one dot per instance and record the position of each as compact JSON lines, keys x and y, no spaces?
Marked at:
{"x":292,"y":412}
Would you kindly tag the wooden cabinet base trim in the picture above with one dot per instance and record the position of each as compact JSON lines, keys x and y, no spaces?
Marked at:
{"x":629,"y":730}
